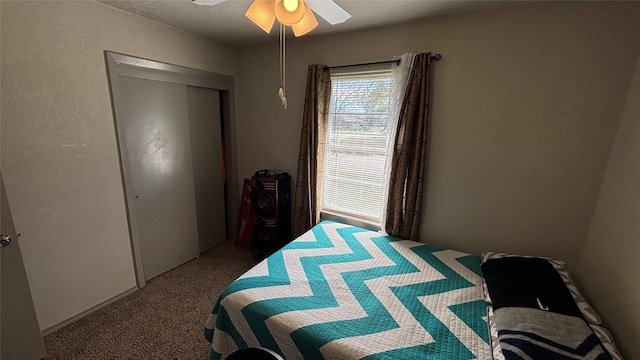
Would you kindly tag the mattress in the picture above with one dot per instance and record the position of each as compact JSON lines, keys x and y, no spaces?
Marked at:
{"x":343,"y":292}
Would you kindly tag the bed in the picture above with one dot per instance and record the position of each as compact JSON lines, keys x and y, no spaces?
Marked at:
{"x":343,"y":292}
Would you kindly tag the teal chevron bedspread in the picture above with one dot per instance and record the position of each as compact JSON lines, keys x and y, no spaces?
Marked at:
{"x":342,"y":292}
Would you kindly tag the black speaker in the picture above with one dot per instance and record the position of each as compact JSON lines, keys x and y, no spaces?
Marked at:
{"x":271,"y":210}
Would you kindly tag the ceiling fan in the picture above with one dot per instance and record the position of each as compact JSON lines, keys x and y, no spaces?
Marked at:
{"x":296,"y":13}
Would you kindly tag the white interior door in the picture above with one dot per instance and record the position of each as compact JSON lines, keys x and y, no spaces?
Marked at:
{"x":156,"y":124}
{"x":20,"y":336}
{"x":208,"y":176}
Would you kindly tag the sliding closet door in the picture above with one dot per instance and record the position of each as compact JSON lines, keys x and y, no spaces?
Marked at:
{"x":156,"y":122}
{"x":171,"y":139}
{"x":208,"y":166}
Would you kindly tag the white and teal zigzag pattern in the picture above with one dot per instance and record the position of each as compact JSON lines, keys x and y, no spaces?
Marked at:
{"x":344,"y":292}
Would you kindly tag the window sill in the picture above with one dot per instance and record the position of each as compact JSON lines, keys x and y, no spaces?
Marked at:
{"x":350,"y":220}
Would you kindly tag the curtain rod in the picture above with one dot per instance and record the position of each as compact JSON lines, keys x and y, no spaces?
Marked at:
{"x":435,"y":57}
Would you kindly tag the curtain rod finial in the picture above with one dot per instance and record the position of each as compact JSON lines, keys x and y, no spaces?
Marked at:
{"x":436,"y":57}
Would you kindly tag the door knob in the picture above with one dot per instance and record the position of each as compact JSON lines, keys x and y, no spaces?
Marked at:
{"x":5,"y":240}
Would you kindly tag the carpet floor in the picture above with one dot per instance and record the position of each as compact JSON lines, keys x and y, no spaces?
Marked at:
{"x":163,"y":320}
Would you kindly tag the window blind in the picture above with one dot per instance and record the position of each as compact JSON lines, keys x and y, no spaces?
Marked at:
{"x":357,"y":145}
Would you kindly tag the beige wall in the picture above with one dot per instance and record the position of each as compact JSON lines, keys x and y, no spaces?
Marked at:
{"x":59,"y":151}
{"x":608,"y":270}
{"x":526,"y":105}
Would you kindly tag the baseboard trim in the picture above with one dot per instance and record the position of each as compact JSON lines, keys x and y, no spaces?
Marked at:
{"x":92,"y":309}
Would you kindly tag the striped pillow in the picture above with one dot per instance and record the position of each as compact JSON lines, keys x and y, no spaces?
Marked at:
{"x":590,"y":315}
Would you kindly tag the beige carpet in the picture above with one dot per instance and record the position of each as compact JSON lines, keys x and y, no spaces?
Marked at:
{"x":163,"y":320}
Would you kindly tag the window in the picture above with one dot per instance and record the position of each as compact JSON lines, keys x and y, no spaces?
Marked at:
{"x":361,"y":129}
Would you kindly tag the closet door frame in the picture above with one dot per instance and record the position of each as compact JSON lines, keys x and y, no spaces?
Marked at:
{"x":130,"y":66}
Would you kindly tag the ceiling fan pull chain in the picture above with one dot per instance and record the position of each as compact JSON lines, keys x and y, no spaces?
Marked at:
{"x":280,"y":91}
{"x":283,"y":65}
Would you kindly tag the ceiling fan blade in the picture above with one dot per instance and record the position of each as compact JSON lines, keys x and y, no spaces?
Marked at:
{"x":208,"y":2}
{"x":329,"y":10}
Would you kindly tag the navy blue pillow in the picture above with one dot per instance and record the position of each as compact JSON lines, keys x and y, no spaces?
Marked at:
{"x":527,"y":282}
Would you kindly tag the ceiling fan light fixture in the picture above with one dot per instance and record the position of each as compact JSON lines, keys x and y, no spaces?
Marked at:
{"x":287,"y":17}
{"x":262,"y":14}
{"x":290,"y":5}
{"x":305,"y":25}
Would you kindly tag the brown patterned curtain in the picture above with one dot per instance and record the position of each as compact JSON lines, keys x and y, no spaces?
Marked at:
{"x":308,"y":192}
{"x":409,"y":155}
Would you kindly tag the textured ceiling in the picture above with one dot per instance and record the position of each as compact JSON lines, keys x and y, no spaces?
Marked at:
{"x":226,"y":21}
